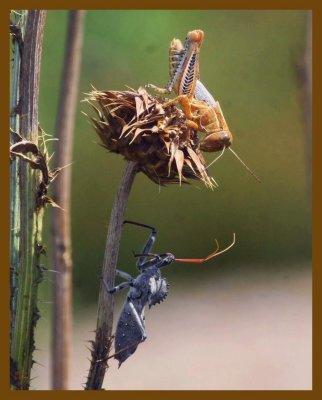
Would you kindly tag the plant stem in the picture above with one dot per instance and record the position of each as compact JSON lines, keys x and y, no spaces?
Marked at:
{"x":103,"y":339}
{"x":19,"y":21}
{"x":61,"y":230}
{"x":26,"y":223}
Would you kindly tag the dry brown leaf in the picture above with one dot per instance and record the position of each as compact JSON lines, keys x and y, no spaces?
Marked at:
{"x":179,"y":157}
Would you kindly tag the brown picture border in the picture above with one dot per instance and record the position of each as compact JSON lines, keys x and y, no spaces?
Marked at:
{"x":316,"y":7}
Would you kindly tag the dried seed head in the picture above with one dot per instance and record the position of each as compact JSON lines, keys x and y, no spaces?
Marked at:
{"x":138,"y":126}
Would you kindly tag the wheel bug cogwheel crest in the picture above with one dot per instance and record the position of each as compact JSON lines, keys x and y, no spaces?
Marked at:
{"x":159,"y":138}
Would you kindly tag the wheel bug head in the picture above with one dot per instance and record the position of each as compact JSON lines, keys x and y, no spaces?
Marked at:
{"x":166,"y":259}
{"x":156,"y":260}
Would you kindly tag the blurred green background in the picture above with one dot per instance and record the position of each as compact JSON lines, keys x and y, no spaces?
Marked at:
{"x":249,"y":61}
{"x":246,"y":316}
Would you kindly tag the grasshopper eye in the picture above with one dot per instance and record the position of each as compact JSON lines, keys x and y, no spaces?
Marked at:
{"x":227,"y":138}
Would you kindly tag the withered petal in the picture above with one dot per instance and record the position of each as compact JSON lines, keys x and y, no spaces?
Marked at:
{"x":179,"y":157}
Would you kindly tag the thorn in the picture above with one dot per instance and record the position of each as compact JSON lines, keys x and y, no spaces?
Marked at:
{"x":38,"y":363}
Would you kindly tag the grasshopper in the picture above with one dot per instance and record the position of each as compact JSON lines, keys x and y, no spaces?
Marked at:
{"x":201,"y":109}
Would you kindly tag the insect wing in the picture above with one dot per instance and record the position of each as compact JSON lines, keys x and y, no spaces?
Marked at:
{"x":201,"y":93}
{"x":128,"y":334}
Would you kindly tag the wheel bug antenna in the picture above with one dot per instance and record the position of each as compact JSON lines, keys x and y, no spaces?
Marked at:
{"x":210,"y":256}
{"x":247,"y":168}
{"x":224,"y":250}
{"x":217,"y":244}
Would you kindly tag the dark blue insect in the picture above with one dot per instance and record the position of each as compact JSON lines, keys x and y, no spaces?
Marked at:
{"x":148,"y":288}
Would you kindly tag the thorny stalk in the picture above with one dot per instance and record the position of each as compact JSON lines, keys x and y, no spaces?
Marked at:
{"x":27,"y":191}
{"x":61,"y":230}
{"x":101,"y":345}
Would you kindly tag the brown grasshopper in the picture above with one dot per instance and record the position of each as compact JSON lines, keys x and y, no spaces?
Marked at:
{"x":202,"y":110}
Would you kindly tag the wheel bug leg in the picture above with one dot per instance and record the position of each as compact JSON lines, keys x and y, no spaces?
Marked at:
{"x":124,"y":275}
{"x":148,"y":245}
{"x":139,"y":224}
{"x":117,"y":288}
{"x":138,"y":320}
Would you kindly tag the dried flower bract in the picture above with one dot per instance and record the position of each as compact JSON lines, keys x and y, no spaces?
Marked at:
{"x":158,"y":138}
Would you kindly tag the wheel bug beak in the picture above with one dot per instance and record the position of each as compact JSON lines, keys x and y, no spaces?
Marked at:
{"x":210,"y":256}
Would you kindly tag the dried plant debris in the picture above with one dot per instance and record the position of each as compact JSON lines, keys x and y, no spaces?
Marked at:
{"x":38,"y":160}
{"x":158,"y":138}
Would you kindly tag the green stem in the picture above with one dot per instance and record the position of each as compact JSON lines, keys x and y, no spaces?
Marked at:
{"x":26,"y":216}
{"x":18,"y":20}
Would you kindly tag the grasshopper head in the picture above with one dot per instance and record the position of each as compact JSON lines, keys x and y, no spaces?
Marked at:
{"x":196,"y":36}
{"x":216,"y":141}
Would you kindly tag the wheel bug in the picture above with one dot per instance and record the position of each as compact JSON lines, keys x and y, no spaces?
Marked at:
{"x":199,"y":106}
{"x":147,"y":288}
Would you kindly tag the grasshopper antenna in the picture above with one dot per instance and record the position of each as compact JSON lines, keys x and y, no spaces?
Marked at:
{"x":217,"y":158}
{"x":247,"y":168}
